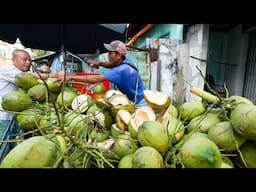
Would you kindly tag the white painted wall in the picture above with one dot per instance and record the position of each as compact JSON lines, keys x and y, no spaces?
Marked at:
{"x":197,"y":40}
{"x":174,"y":65}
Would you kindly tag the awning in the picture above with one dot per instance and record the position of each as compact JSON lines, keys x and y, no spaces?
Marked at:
{"x":76,"y":38}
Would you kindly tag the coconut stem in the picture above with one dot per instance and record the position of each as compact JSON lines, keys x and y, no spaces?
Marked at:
{"x":237,"y":148}
{"x":204,"y":95}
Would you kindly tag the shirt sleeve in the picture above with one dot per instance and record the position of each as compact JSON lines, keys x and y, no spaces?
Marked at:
{"x":9,"y":75}
{"x":113,"y":76}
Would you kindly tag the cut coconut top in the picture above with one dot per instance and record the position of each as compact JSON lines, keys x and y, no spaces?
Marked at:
{"x":124,"y":115}
{"x":156,"y":99}
{"x":140,"y":117}
{"x":150,"y":112}
{"x":114,"y":126}
{"x":119,"y":100}
{"x":107,"y":144}
{"x":134,"y":124}
{"x":99,"y":115}
{"x":111,"y":92}
{"x":80,"y":103}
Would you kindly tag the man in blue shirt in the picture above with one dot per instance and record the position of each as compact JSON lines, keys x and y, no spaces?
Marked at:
{"x":123,"y":73}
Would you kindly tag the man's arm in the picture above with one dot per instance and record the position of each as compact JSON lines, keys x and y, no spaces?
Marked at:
{"x":82,"y":78}
{"x":96,"y":64}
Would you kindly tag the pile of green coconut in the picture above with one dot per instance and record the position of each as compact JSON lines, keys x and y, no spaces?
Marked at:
{"x":63,"y":128}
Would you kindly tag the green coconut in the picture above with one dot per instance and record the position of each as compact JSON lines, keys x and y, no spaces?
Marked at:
{"x":68,"y":96}
{"x":133,"y":128}
{"x":28,"y":119}
{"x":203,"y":122}
{"x":69,"y":117}
{"x":92,"y":110}
{"x":16,"y":101}
{"x":147,"y":157}
{"x":141,"y":114}
{"x":35,"y":152}
{"x":190,"y":110}
{"x":154,"y":134}
{"x":175,"y":129}
{"x":52,"y":97}
{"x":102,"y":104}
{"x":130,"y":107}
{"x":99,"y":88}
{"x":124,"y":145}
{"x":38,"y":92}
{"x":25,"y":80}
{"x":243,"y":120}
{"x":248,"y":151}
{"x":234,"y":100}
{"x":169,"y":113}
{"x":226,"y":163}
{"x":225,"y":138}
{"x":49,"y":120}
{"x":54,"y":85}
{"x":200,"y":152}
{"x":100,"y":135}
{"x":126,"y":161}
{"x":115,"y":131}
{"x":104,"y":119}
{"x":173,"y":111}
{"x":80,"y":125}
{"x":23,"y":90}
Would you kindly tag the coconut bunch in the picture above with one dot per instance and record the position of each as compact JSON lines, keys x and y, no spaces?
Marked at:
{"x":227,"y":122}
{"x":111,"y":131}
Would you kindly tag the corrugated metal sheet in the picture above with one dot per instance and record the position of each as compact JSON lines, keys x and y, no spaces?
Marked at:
{"x":141,"y":61}
{"x":250,"y":74}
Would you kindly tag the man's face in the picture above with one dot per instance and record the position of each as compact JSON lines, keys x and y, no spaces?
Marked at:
{"x":22,"y":61}
{"x":114,"y":57}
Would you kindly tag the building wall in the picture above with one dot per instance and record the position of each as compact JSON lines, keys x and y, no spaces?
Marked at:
{"x":227,"y":59}
{"x":170,"y":31}
{"x":6,"y":50}
{"x":236,"y":53}
{"x":197,"y":40}
{"x":174,"y":71}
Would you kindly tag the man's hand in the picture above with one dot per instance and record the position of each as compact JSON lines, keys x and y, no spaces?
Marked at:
{"x":60,"y":76}
{"x":95,"y":64}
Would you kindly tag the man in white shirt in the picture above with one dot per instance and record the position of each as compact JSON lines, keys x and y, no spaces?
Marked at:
{"x":21,"y":63}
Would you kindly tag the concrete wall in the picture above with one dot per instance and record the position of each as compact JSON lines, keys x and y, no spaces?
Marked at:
{"x":197,"y":40}
{"x":175,"y":66}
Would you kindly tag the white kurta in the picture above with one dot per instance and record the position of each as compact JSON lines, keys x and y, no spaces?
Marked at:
{"x":7,"y":84}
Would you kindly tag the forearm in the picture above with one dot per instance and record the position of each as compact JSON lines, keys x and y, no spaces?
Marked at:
{"x":41,"y":75}
{"x":86,"y":78}
{"x":106,"y":64}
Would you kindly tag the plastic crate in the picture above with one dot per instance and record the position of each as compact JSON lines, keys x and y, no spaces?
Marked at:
{"x":87,"y":89}
{"x":10,"y":132}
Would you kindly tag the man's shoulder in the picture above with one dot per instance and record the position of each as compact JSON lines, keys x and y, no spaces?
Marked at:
{"x":7,"y":67}
{"x":8,"y":70}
